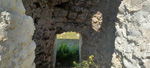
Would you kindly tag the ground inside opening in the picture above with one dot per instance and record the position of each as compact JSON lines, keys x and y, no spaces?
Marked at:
{"x":67,"y":45}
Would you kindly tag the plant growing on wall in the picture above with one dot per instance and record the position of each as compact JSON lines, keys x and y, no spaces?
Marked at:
{"x":86,"y":63}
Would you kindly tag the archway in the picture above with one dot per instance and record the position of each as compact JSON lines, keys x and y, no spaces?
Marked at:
{"x":93,"y":19}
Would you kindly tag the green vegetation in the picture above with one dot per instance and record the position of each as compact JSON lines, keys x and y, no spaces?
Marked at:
{"x":86,"y":63}
{"x":67,"y":49}
{"x":66,"y":54}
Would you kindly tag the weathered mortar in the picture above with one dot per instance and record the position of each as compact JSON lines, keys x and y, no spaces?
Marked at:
{"x":93,"y":19}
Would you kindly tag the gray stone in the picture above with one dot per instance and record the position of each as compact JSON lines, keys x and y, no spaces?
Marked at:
{"x":132,"y":35}
{"x":16,"y":31}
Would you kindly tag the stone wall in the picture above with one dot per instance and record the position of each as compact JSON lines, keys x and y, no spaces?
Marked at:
{"x":93,"y":19}
{"x":16,"y":31}
{"x":132,"y":43}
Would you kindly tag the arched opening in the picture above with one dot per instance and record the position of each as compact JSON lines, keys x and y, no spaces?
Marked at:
{"x":93,"y":19}
{"x":67,"y":49}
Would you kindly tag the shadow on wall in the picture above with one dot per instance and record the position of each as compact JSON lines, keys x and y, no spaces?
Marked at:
{"x":103,"y":47}
{"x":99,"y":34}
{"x":93,"y":19}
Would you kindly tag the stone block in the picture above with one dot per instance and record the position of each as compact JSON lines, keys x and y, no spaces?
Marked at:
{"x":60,"y":19}
{"x":72,"y":15}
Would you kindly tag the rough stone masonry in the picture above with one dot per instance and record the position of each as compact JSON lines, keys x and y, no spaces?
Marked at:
{"x":115,"y":43}
{"x":132,"y":43}
{"x":93,"y":19}
{"x":16,"y":31}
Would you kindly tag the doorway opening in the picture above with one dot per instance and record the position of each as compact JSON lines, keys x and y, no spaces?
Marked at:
{"x":68,"y":49}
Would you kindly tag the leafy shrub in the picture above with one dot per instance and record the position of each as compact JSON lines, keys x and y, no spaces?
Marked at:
{"x":86,"y":63}
{"x":68,"y":54}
